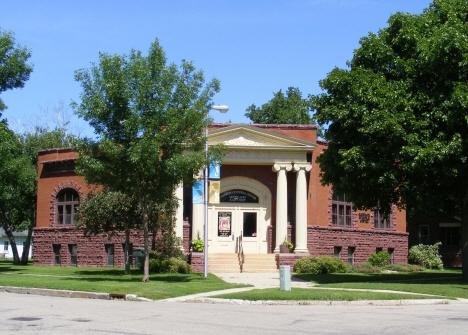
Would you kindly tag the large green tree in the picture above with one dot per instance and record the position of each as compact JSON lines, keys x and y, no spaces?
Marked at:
{"x":149,"y":117}
{"x":289,"y":108}
{"x":18,"y":180}
{"x":14,"y":69}
{"x":398,"y":117}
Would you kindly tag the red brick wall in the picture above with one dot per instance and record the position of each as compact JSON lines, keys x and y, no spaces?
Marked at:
{"x":91,"y":251}
{"x":322,"y":240}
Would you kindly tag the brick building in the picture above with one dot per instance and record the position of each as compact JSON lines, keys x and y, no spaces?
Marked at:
{"x":270,"y":191}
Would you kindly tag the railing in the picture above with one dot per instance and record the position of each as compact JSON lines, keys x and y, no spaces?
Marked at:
{"x":240,"y":251}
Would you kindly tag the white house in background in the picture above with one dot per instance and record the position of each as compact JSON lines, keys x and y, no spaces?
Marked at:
{"x":5,"y":247}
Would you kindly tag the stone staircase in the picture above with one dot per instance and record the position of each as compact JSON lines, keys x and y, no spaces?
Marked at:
{"x":230,"y":263}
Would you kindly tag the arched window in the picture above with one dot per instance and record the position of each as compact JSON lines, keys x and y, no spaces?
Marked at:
{"x":68,"y":201}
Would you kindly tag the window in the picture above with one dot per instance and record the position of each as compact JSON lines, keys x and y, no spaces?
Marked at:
{"x":377,"y":250}
{"x":341,"y":211}
{"x":57,"y":254}
{"x":250,"y":225}
{"x":337,"y":252}
{"x":73,"y":254}
{"x":424,"y":234}
{"x":68,"y":201}
{"x":391,"y":252}
{"x":450,"y":235}
{"x":5,"y":246}
{"x":351,"y":255}
{"x":109,"y":254}
{"x":380,"y":221}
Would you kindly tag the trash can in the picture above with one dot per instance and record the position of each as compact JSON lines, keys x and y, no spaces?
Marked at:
{"x":285,"y":278}
{"x":137,"y":252}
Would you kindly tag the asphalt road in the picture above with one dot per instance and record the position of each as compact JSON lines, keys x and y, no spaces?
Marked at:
{"x":30,"y":314}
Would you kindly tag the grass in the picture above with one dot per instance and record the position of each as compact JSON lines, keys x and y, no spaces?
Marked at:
{"x":446,"y":284}
{"x":108,"y":280}
{"x":316,"y":294}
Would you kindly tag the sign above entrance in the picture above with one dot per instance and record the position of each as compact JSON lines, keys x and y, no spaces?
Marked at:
{"x":239,"y":196}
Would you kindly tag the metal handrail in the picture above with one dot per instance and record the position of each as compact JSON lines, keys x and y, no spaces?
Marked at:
{"x":240,"y":251}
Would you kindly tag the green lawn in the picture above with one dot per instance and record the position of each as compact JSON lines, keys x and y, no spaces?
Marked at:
{"x":317,"y":294}
{"x":108,"y":280}
{"x":445,"y":283}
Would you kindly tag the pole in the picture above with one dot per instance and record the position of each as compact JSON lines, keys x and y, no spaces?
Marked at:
{"x":205,"y":195}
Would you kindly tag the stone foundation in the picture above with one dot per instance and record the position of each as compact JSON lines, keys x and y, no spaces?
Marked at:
{"x":323,"y":240}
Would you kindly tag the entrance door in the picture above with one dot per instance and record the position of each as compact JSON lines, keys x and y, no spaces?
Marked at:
{"x":232,"y":222}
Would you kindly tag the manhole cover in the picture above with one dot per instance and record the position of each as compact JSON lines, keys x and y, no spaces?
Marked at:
{"x":25,"y":318}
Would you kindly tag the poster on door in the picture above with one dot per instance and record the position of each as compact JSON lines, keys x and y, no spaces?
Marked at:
{"x":224,"y":223}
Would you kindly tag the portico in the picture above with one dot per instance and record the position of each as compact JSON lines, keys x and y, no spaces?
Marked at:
{"x":265,"y":203}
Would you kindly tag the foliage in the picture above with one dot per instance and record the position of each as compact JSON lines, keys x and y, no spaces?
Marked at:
{"x":283,"y":109}
{"x":18,"y":180}
{"x":198,"y":245}
{"x":379,"y":259}
{"x":364,"y":268}
{"x":110,"y":212}
{"x":14,"y":69}
{"x":149,"y":117}
{"x":426,"y":255}
{"x":158,"y":263}
{"x":288,"y":244}
{"x":403,"y":267}
{"x":397,"y":117}
{"x":319,"y":265}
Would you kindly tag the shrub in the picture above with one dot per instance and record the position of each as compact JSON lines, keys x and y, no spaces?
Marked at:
{"x":364,"y":268}
{"x":175,"y":265}
{"x":426,"y":256}
{"x":307,"y":265}
{"x":158,"y":264}
{"x":198,"y":245}
{"x":332,"y":265}
{"x":319,"y":265}
{"x":403,"y":267}
{"x":379,"y":259}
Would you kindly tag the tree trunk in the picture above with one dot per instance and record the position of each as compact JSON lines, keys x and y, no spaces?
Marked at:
{"x":11,"y":238}
{"x":146,"y":246}
{"x":127,"y":247}
{"x":464,"y":236}
{"x":27,"y":244}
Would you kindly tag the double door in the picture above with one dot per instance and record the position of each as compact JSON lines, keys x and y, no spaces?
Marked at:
{"x":231,"y":222}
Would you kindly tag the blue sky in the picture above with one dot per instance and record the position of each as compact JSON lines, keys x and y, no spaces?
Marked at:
{"x":254,"y":47}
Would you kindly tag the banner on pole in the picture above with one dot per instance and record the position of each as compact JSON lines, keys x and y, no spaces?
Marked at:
{"x":215,"y":187}
{"x":197,"y":192}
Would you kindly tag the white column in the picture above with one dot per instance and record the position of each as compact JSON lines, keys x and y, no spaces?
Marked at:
{"x":179,"y":215}
{"x":281,"y":203}
{"x":301,"y":206}
{"x":198,"y":221}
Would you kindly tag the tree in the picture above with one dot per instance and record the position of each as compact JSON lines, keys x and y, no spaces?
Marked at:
{"x":14,"y":69}
{"x":149,"y":117}
{"x":110,"y":212}
{"x":18,"y":180}
{"x":398,"y":126}
{"x":283,"y":109}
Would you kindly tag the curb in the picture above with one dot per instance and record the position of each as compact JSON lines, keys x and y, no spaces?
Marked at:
{"x":70,"y":294}
{"x":404,"y":302}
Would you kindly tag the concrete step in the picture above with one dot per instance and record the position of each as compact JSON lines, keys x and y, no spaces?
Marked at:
{"x":253,"y":263}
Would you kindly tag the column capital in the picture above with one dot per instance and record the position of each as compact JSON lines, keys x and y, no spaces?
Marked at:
{"x":305,"y":166}
{"x":282,"y":166}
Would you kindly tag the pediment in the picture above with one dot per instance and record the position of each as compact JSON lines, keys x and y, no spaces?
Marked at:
{"x":245,"y":136}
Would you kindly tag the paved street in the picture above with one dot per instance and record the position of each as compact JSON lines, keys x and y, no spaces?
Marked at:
{"x":30,"y":314}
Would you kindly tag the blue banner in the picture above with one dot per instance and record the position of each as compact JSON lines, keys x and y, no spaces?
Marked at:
{"x":215,"y":171}
{"x":197,"y":192}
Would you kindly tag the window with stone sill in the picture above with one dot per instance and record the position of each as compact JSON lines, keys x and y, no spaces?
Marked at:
{"x":68,"y":201}
{"x":342,"y":211}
